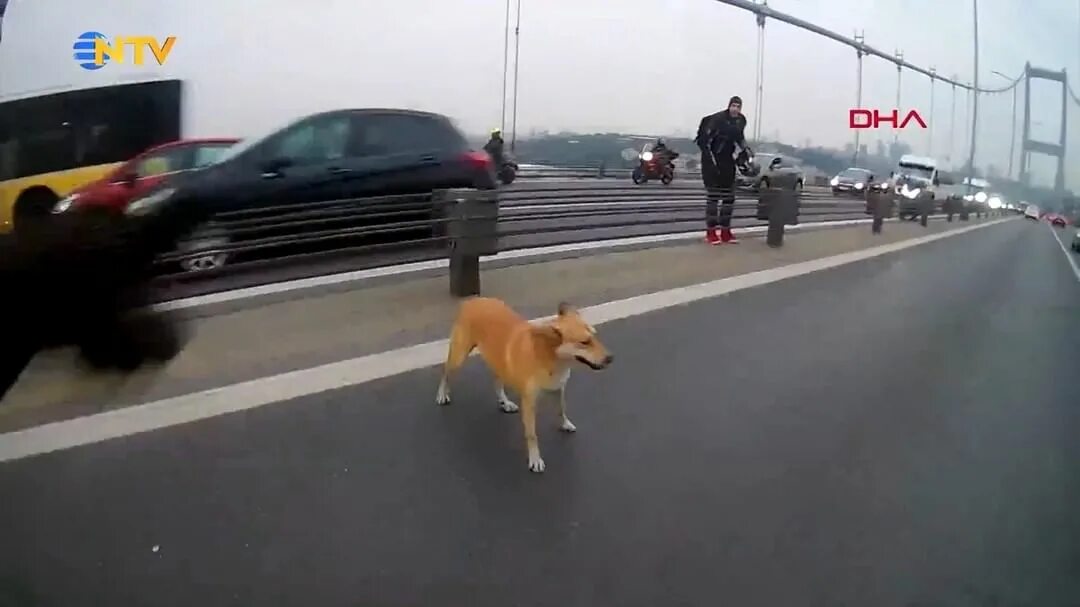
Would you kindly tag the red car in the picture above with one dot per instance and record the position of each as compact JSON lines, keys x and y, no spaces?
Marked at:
{"x":1056,"y":220}
{"x":125,"y":183}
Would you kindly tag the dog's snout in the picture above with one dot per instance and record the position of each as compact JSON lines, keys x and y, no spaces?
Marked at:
{"x":609,"y":359}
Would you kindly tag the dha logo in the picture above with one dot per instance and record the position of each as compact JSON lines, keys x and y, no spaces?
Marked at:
{"x":93,"y":49}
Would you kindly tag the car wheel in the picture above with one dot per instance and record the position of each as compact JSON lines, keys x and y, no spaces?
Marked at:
{"x":205,"y":237}
{"x":33,"y":209}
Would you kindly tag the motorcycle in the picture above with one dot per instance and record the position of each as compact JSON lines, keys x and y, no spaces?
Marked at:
{"x":651,"y":167}
{"x":507,"y":171}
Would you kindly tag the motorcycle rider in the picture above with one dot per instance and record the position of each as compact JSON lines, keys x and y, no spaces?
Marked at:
{"x":722,"y":142}
{"x":494,"y":147}
{"x":663,"y":154}
{"x":660,"y":149}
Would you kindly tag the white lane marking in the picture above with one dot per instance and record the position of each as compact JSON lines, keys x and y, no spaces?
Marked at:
{"x":305,"y":382}
{"x":437,"y":264}
{"x":1069,"y":257}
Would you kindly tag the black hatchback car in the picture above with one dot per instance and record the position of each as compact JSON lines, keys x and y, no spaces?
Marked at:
{"x":335,"y":179}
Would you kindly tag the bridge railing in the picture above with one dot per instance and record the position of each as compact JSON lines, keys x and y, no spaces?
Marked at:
{"x":464,"y":225}
{"x":597,"y":171}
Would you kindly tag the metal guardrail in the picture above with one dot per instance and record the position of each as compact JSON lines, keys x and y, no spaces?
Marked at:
{"x":601,"y":172}
{"x":465,"y":224}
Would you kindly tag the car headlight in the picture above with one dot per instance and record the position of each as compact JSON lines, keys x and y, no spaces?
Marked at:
{"x":647,"y":156}
{"x":911,"y":194}
{"x":834,"y":182}
{"x":980,"y":197}
{"x":995,"y":202}
{"x":860,"y":185}
{"x":65,"y":204}
{"x":147,"y":204}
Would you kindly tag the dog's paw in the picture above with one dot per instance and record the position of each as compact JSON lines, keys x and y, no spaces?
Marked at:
{"x":508,"y":406}
{"x":567,"y":425}
{"x":442,"y":396}
{"x":536,"y":463}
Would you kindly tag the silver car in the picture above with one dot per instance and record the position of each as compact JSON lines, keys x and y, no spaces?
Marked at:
{"x":772,"y":170}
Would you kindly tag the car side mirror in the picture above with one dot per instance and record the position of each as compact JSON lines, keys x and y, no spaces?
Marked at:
{"x":937,"y":181}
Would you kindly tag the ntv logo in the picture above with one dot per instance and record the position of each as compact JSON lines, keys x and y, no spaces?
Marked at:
{"x":93,"y":50}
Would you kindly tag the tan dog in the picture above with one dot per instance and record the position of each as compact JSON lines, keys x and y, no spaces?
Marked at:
{"x":527,"y":358}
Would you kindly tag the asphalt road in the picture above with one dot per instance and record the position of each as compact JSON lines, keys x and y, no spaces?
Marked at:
{"x":896,"y":432}
{"x":533,"y":214}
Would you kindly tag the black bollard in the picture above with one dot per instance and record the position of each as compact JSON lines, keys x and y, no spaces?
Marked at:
{"x":472,"y":230}
{"x":880,"y":203}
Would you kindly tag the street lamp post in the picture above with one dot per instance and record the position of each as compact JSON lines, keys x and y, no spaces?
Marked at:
{"x":859,"y":37}
{"x":760,"y":74}
{"x":967,"y":114}
{"x":506,"y":64}
{"x":517,"y":49}
{"x":899,"y":76}
{"x":952,"y":124}
{"x":930,"y":135}
{"x":974,"y":92}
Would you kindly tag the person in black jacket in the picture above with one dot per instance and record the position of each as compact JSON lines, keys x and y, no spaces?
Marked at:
{"x":722,"y":142}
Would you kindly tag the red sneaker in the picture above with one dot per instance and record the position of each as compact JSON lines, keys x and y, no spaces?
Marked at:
{"x":726,"y":237}
{"x":711,"y":237}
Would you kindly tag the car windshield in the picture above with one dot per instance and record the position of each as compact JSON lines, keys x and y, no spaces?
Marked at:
{"x":910,"y":171}
{"x":208,"y":154}
{"x":855,"y":173}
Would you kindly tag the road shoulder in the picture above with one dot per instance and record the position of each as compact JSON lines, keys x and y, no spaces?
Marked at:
{"x":309,"y":331}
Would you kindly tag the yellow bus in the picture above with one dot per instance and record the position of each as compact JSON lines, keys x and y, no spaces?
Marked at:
{"x":52,"y":143}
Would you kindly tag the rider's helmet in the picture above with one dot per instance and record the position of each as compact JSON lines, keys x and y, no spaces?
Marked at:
{"x":496,"y":132}
{"x":660,"y":142}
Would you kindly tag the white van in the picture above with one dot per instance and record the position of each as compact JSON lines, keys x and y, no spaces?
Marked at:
{"x":1032,"y":212}
{"x":916,"y":179}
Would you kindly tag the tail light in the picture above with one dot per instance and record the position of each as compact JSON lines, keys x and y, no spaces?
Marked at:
{"x":478,"y":160}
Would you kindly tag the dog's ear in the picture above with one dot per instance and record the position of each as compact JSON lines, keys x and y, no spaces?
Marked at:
{"x":565,"y":308}
{"x":549,"y":333}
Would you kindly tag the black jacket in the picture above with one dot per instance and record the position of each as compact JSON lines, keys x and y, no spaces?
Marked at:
{"x":721,"y":136}
{"x":494,"y":147}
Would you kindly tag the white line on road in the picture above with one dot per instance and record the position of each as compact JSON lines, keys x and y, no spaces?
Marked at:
{"x":1068,"y":255}
{"x":304,"y":382}
{"x":438,"y":264}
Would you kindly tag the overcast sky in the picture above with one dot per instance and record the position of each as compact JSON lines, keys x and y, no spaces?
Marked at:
{"x":649,"y":67}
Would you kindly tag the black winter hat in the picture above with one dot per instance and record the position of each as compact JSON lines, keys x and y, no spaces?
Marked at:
{"x":735,"y":99}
